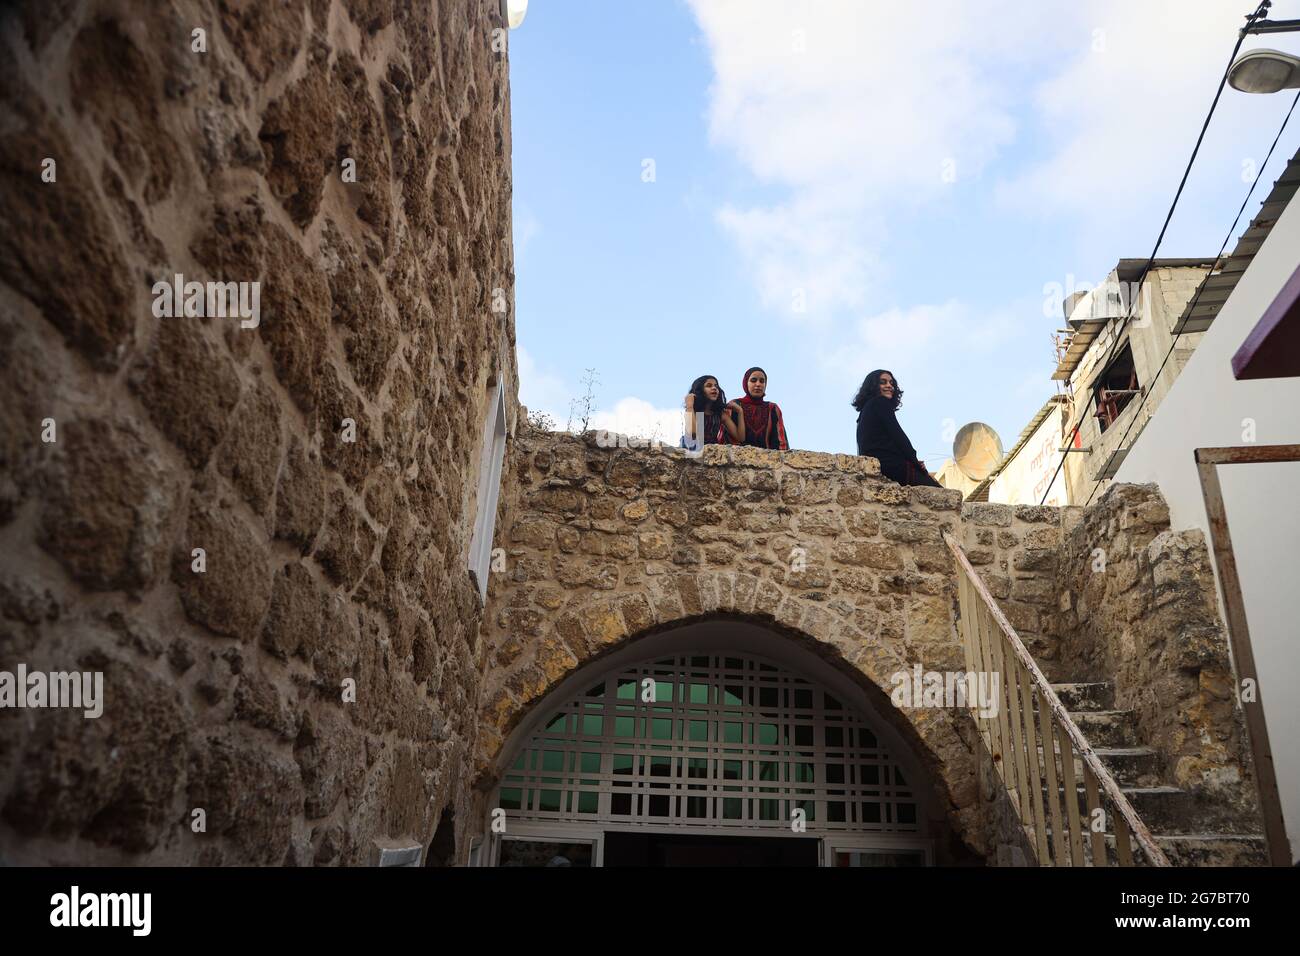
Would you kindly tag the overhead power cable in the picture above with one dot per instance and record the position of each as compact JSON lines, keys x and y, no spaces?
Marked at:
{"x":1260,"y":13}
{"x":1174,"y":342}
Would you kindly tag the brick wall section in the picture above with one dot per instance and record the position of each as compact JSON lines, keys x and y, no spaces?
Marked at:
{"x":326,"y":560}
{"x":1148,"y":619}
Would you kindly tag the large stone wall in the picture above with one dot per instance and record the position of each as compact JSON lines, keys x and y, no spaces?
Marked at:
{"x":327,"y":560}
{"x":608,"y":544}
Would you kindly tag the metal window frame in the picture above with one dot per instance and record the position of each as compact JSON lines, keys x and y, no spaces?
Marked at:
{"x":1243,"y":655}
{"x":492,"y":460}
{"x":716,"y":672}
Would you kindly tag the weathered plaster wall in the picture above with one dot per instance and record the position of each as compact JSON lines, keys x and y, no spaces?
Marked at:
{"x":326,"y":560}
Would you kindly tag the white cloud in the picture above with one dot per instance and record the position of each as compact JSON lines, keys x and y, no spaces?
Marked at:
{"x":1120,"y":116}
{"x":542,"y":391}
{"x":526,"y":227}
{"x":638,"y":418}
{"x":854,"y":110}
{"x":848,"y":113}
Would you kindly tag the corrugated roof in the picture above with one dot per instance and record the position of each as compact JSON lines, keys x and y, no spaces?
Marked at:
{"x":1087,"y":328}
{"x":1215,"y":288}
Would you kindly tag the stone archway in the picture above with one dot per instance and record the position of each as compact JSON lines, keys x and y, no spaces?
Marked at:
{"x":940,"y":742}
{"x":605,"y":545}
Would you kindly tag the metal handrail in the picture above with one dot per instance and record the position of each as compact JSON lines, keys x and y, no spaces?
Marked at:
{"x":1012,"y":740}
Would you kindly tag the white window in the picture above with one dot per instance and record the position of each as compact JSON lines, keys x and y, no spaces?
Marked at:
{"x":489,"y":489}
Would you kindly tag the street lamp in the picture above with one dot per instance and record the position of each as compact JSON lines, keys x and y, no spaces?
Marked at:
{"x":1265,"y":71}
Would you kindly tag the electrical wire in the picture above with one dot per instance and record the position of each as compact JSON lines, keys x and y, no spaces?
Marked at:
{"x":1260,"y":13}
{"x":1231,"y":229}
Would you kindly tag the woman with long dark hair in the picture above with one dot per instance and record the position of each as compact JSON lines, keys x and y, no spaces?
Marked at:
{"x":761,"y":423}
{"x":879,"y":434}
{"x":719,"y":417}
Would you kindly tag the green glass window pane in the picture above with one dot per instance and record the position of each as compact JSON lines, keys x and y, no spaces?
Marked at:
{"x":552,"y":760}
{"x":733,"y":695}
{"x":804,"y":772}
{"x":731,"y":808}
{"x":767,"y":734}
{"x":590,"y":763}
{"x":662,"y":728}
{"x":699,"y":730}
{"x":731,"y":769}
{"x":597,"y":691}
{"x":556,"y":725}
{"x":697,"y":807}
{"x":588,"y":802}
{"x":592,"y":725}
{"x":661,"y":766}
{"x":733,"y":732}
{"x":664,"y":691}
{"x":699,"y":693}
{"x":622,"y":763}
{"x":697,"y":767}
{"x":809,"y":807}
{"x":626,"y":688}
{"x":519,"y":763}
{"x":510,"y":798}
{"x":768,"y":770}
{"x":550,"y":800}
{"x":624,"y":726}
{"x":769,"y":810}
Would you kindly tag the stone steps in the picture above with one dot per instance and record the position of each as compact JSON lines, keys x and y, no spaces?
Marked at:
{"x":1189,"y":849}
{"x":1189,"y":830}
{"x":1130,"y":766}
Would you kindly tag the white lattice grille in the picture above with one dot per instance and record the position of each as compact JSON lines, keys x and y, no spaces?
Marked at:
{"x":725,"y":741}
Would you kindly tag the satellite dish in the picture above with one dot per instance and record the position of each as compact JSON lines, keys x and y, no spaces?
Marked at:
{"x":977,"y":450}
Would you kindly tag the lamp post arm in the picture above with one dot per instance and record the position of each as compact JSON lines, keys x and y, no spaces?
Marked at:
{"x":1271,"y":26}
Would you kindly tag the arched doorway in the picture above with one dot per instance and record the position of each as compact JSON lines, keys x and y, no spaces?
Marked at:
{"x":718,"y":743}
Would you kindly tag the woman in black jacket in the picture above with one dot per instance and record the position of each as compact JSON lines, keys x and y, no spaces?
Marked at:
{"x":879,"y":434}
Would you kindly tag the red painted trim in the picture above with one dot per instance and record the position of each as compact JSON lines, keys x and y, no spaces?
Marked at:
{"x":1272,"y":349}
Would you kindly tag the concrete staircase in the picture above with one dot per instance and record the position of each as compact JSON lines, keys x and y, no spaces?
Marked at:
{"x":1191,"y":831}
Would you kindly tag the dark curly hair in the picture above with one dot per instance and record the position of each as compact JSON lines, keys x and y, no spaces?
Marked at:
{"x":702,"y":403}
{"x":871,"y":388}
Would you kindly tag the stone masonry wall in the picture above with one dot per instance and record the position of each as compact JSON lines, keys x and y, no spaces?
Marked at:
{"x":1138,"y":606}
{"x":129,"y":440}
{"x":604,"y":545}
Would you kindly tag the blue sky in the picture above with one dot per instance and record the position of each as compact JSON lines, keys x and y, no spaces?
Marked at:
{"x":921,"y":189}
